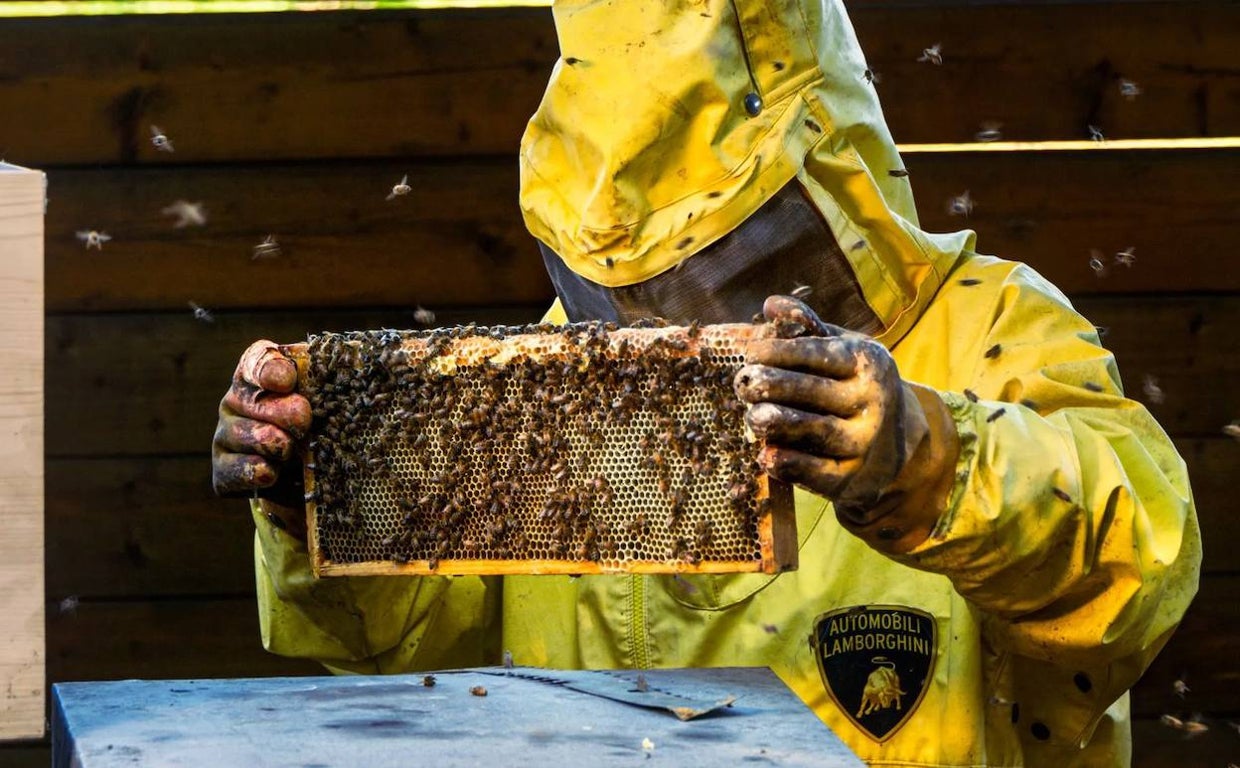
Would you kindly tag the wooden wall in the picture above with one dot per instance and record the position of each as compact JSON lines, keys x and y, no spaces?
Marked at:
{"x":298,"y":125}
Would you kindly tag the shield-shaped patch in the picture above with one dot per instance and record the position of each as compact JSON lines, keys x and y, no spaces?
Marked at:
{"x":876,"y":662}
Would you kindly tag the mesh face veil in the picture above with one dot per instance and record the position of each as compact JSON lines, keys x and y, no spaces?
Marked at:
{"x":783,"y":246}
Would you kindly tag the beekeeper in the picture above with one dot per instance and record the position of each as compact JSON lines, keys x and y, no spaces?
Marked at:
{"x":994,"y":541}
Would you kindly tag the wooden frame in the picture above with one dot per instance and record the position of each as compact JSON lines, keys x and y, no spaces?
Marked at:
{"x":775,"y":521}
{"x":22,"y":655}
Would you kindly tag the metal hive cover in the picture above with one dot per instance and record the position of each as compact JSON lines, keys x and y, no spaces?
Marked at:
{"x":538,"y":449}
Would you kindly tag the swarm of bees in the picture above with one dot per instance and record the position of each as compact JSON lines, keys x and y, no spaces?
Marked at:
{"x":587,"y":443}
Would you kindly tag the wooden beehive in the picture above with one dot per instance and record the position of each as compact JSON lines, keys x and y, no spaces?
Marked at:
{"x":537,"y":449}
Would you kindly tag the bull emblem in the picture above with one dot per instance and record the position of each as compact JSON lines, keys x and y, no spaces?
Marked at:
{"x":882,"y":688}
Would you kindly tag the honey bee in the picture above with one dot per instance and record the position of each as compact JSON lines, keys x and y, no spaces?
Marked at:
{"x":1153,"y":392}
{"x":267,"y":249}
{"x":401,"y":188}
{"x":160,"y":140}
{"x":994,"y":352}
{"x":93,"y":238}
{"x":703,"y":533}
{"x":1096,"y":263}
{"x":428,"y":681}
{"x":932,"y":55}
{"x":961,"y":205}
{"x":201,"y":314}
{"x":478,"y":690}
{"x":989,"y":132}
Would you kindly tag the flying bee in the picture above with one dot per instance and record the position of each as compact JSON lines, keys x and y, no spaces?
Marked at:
{"x":1095,"y":133}
{"x":989,"y":132}
{"x":898,"y":173}
{"x":93,"y":238}
{"x":1152,"y":391}
{"x":961,"y":205}
{"x":801,"y":292}
{"x":1096,"y":263}
{"x":1127,"y":257}
{"x":401,"y":188}
{"x":1180,"y":688}
{"x":160,"y":140}
{"x":201,"y":314}
{"x":1194,"y":728}
{"x":269,"y":248}
{"x":932,"y":55}
{"x":428,"y":681}
{"x":1128,"y":89}
{"x":187,"y":214}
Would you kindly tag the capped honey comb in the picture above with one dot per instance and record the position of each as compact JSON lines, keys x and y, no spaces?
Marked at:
{"x":536,"y":449}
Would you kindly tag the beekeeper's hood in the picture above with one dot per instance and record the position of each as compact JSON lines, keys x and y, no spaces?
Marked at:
{"x":667,"y":124}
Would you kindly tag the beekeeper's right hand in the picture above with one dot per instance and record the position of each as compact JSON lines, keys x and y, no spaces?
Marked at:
{"x":260,"y":419}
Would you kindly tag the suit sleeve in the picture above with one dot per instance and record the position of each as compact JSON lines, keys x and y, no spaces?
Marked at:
{"x":1070,"y":524}
{"x":370,"y":625}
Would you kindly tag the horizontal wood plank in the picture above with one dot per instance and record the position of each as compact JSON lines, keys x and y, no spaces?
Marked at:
{"x":165,"y":639}
{"x":1051,"y":210}
{"x":266,"y":86}
{"x":162,"y":376}
{"x":457,"y":238}
{"x":146,"y":384}
{"x":1154,"y":745}
{"x":127,"y":527}
{"x":26,"y":755}
{"x":455,"y":82}
{"x":1204,"y":653}
{"x":147,"y":526}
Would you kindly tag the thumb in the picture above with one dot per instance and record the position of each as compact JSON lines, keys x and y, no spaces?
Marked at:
{"x":264,"y":366}
{"x":793,"y":317}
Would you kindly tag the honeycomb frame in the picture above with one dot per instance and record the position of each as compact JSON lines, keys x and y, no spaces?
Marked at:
{"x":542,"y":449}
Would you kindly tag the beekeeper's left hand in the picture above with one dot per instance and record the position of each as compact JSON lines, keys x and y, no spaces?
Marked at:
{"x":839,"y":420}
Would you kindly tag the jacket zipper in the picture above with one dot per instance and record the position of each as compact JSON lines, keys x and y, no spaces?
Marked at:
{"x":637,"y":622}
